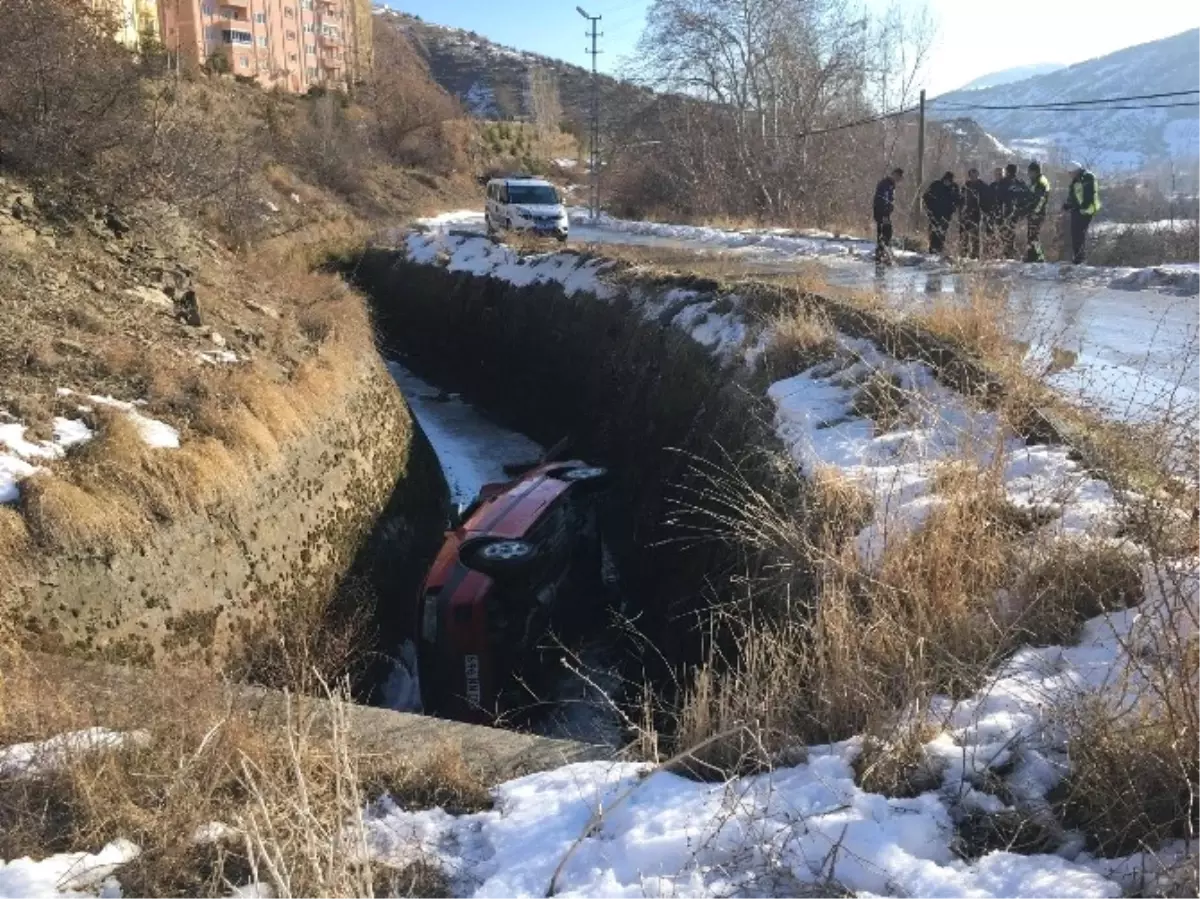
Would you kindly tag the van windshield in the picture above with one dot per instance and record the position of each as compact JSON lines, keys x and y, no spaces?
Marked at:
{"x":532,"y":194}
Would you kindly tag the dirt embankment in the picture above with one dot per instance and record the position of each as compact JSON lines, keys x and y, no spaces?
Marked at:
{"x":195,"y":446}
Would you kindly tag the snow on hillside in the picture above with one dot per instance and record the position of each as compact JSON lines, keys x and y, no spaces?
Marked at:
{"x":1008,"y":76}
{"x":1112,"y":140}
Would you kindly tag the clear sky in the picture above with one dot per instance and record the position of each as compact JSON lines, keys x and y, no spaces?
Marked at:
{"x":973,"y":38}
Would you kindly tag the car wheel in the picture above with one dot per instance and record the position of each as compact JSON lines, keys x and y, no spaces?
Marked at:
{"x":583,"y":473}
{"x":498,"y":557}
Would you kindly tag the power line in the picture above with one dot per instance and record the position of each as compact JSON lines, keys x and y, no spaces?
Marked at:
{"x":1060,"y":104}
{"x":856,"y":124}
{"x":1193,"y":104}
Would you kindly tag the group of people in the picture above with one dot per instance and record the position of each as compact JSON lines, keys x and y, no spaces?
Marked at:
{"x":989,"y":214}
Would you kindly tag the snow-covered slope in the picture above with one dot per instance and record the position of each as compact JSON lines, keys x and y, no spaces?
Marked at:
{"x":1108,"y":140}
{"x":1008,"y":76}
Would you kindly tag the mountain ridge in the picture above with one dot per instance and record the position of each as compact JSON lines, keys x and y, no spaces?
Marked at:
{"x":1108,"y":140}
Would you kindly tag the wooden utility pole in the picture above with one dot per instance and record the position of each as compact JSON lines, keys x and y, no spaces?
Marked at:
{"x":920,"y":164}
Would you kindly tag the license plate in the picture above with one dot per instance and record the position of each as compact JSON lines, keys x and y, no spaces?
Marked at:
{"x":471,"y":668}
{"x":429,"y":619}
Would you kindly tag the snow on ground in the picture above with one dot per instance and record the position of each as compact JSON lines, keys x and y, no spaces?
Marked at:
{"x":28,"y":759}
{"x":68,"y":873}
{"x":18,"y":455}
{"x":1183,"y":279}
{"x":1181,"y":224}
{"x":810,"y":824}
{"x":471,"y":448}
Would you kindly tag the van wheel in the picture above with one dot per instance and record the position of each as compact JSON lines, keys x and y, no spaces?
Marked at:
{"x":498,"y":557}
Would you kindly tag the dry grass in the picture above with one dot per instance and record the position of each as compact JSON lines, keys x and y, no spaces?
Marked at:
{"x":981,"y":325}
{"x":882,"y":400}
{"x":292,"y":794}
{"x":800,"y":338}
{"x":893,"y":761}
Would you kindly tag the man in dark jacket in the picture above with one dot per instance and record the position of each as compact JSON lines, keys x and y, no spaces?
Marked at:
{"x":883,"y":207}
{"x":941,"y":201}
{"x":1011,"y":198}
{"x":1037,"y":203}
{"x":991,"y":215}
{"x":975,"y":195}
{"x":1083,"y":202}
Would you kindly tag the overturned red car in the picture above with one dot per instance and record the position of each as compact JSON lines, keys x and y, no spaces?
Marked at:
{"x":522,"y":561}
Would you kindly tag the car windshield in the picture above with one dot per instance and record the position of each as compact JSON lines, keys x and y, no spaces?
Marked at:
{"x":532,"y":194}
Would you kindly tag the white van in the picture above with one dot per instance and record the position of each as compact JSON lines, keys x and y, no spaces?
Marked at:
{"x":525,"y":204}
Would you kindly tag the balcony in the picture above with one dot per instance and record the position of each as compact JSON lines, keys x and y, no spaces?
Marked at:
{"x":329,"y":40}
{"x":333,"y":63}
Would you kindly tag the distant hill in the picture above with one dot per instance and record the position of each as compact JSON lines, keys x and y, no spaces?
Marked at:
{"x":1112,"y":140}
{"x":1008,"y":76}
{"x":491,"y":80}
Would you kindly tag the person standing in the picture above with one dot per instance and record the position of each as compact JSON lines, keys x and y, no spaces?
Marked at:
{"x":1038,"y":201}
{"x":974,"y":201}
{"x":883,"y":207}
{"x":941,"y":200}
{"x":991,"y":215}
{"x":1012,"y":195}
{"x":1083,"y":202}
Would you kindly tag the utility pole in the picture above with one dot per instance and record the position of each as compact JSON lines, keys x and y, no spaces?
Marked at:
{"x":920,"y":164}
{"x":594,"y":149}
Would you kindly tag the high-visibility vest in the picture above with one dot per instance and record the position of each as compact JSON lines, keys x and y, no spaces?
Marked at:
{"x":1077,"y":193}
{"x":1041,"y":193}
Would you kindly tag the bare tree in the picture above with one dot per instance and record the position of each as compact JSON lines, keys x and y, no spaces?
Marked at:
{"x":545,"y":105}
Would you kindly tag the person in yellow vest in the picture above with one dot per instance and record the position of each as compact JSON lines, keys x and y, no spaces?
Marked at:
{"x":1083,"y":202}
{"x":1038,"y":201}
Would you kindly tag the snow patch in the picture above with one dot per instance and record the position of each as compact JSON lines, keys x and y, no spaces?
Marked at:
{"x":44,"y":756}
{"x":68,"y":874}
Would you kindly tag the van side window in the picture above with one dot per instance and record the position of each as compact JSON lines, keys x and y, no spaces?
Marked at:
{"x":503,"y":191}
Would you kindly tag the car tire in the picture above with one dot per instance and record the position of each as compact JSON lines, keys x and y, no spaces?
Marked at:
{"x":498,"y":557}
{"x":584,"y":477}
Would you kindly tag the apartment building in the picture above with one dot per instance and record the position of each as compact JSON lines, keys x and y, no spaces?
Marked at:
{"x":136,"y":20}
{"x":291,"y":44}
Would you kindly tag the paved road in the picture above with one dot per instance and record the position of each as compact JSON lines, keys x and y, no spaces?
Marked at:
{"x":1136,"y":351}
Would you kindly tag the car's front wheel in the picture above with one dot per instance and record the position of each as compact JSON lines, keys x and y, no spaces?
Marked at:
{"x":498,"y":557}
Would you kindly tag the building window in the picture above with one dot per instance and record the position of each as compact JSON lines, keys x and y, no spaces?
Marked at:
{"x":291,"y":35}
{"x":306,"y":4}
{"x":260,"y":18}
{"x":262,"y":40}
{"x":308,"y":28}
{"x":208,"y":9}
{"x":308,"y":50}
{"x":288,"y":12}
{"x":292,"y":57}
{"x":244,"y":62}
{"x":230,"y":36}
{"x":312,"y":73}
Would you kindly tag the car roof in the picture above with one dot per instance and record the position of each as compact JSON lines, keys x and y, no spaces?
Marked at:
{"x":523,"y":182}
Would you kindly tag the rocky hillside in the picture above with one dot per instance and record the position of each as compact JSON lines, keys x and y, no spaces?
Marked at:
{"x":491,"y":80}
{"x":1110,"y":140}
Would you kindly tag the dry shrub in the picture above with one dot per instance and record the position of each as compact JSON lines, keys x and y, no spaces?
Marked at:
{"x":291,"y":792}
{"x":800,"y":338}
{"x":1134,"y":772}
{"x":14,"y":550}
{"x":838,"y":509}
{"x":893,"y":761}
{"x":882,"y":400}
{"x":324,"y":635}
{"x":440,"y":777}
{"x":743,"y":715}
{"x":981,"y":325}
{"x":1070,"y":582}
{"x":66,"y":518}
